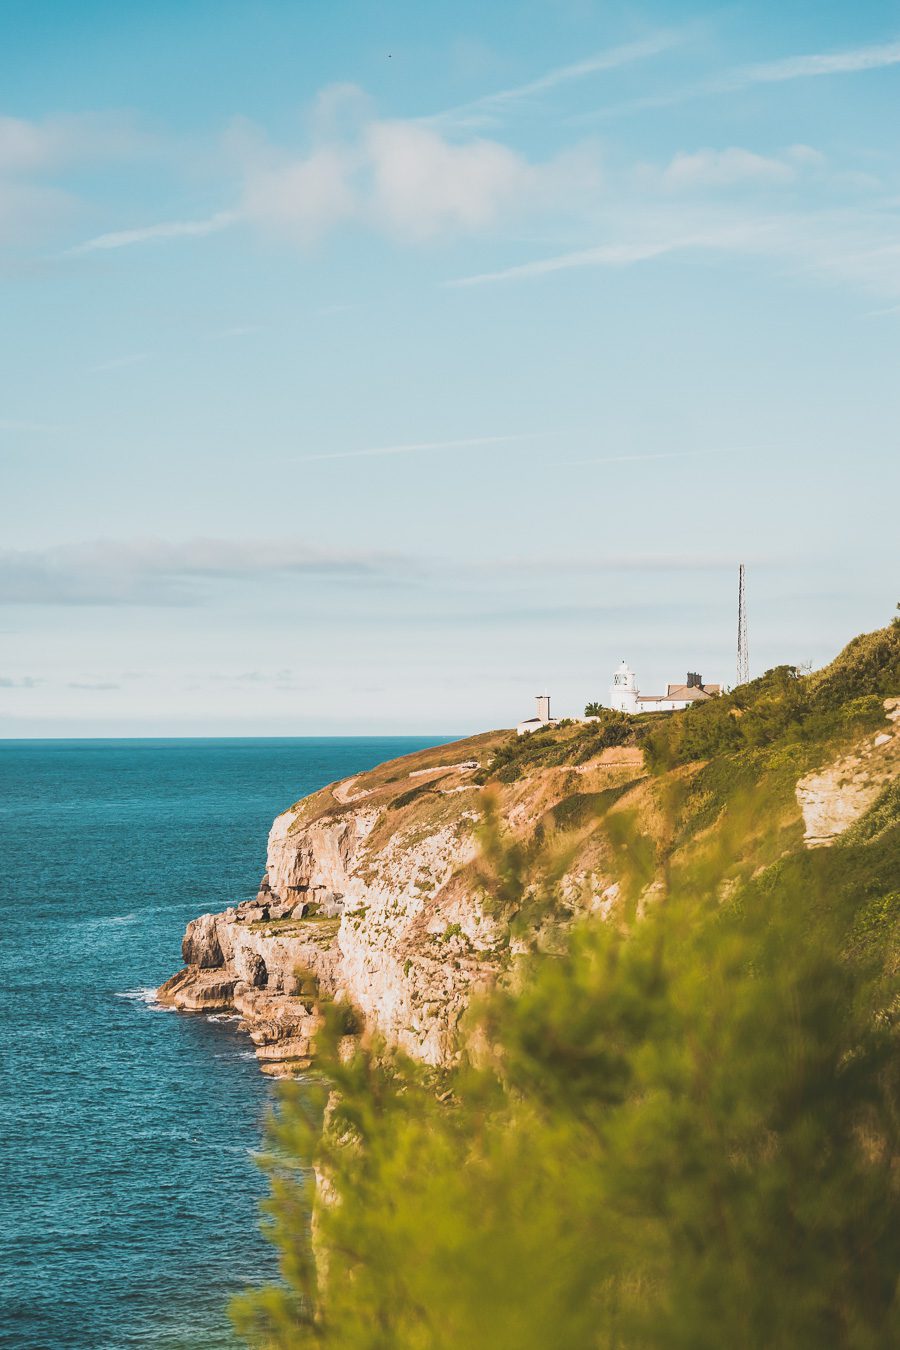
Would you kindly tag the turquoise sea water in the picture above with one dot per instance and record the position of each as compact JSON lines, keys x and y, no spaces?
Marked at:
{"x":128,"y":1193}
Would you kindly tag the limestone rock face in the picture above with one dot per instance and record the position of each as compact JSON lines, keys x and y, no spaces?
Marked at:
{"x":834,"y":798}
{"x":200,"y":945}
{"x":196,"y":990}
{"x":362,"y":900}
{"x":250,"y":968}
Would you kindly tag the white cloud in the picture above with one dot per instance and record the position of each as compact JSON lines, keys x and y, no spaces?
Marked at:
{"x":848,"y":62}
{"x":851,"y":61}
{"x":170,"y":229}
{"x":735,"y":165}
{"x":401,"y":177}
{"x":157,"y":572}
{"x":303,"y":198}
{"x":422,"y":184}
{"x":603,"y":255}
{"x":725,"y":168}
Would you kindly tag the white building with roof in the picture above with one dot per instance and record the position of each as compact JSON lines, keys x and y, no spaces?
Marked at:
{"x":543,"y":718}
{"x":625,"y":696}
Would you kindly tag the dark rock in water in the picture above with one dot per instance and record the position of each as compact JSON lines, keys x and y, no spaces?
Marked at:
{"x":200,"y":945}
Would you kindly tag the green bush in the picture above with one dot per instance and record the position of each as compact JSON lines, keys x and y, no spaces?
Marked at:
{"x":784,"y":705}
{"x":549,"y":746}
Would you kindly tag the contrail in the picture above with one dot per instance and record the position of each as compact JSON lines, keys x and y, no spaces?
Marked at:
{"x":417,"y":446}
{"x":628,"y":459}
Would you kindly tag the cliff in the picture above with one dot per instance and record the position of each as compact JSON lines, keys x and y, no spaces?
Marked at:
{"x":374,"y":892}
{"x":372,"y":896}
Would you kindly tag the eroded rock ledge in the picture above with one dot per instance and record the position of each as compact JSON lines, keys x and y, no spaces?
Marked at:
{"x":258,"y":961}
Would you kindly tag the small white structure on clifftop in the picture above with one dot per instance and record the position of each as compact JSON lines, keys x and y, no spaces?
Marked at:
{"x":543,"y":718}
{"x":625,"y":696}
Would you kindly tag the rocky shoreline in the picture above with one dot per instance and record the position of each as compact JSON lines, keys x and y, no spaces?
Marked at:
{"x":361,"y":901}
{"x":225,"y":971}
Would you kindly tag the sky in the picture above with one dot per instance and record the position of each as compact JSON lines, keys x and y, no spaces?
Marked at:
{"x":374,"y":368}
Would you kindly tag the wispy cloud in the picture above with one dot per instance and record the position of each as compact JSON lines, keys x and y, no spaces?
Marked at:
{"x":852,"y":248}
{"x":633,"y":459}
{"x":603,"y":255}
{"x":850,"y":61}
{"x":120,"y":362}
{"x":612,"y":58}
{"x":146,"y":234}
{"x":735,"y":165}
{"x":158,"y":572}
{"x":11,"y":424}
{"x":23,"y":682}
{"x":853,"y":60}
{"x":419,"y":447}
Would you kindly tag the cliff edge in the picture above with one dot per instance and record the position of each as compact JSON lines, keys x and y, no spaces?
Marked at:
{"x":374,"y":895}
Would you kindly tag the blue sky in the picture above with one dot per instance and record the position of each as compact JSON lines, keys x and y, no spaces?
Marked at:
{"x":369,"y":368}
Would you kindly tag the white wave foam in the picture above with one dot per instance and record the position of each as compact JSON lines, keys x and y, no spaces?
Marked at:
{"x":145,"y":996}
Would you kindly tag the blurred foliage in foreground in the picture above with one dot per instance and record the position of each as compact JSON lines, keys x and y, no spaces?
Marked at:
{"x":676,"y":1132}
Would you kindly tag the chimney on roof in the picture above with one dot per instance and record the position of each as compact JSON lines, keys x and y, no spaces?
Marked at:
{"x":693,"y":680}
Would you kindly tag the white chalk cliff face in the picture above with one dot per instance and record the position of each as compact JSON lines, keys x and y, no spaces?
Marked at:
{"x":360,"y":902}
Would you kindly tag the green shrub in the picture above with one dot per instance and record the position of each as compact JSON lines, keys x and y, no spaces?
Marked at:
{"x":558,"y":745}
{"x":784,"y":705}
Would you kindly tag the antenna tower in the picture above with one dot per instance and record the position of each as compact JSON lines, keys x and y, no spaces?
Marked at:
{"x":743,"y":650}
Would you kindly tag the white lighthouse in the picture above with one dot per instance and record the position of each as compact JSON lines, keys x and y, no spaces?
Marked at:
{"x":623,"y":692}
{"x":625,"y":696}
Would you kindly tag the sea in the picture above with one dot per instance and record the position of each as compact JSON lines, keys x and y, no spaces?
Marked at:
{"x":129,"y":1190}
